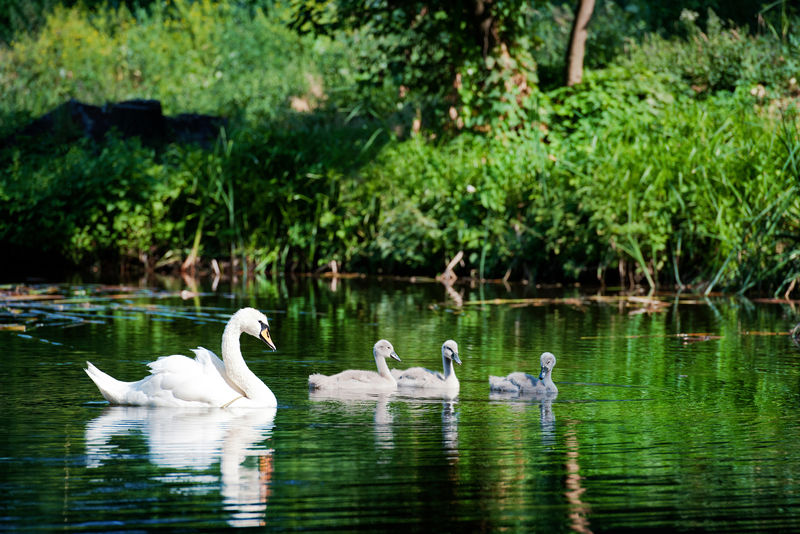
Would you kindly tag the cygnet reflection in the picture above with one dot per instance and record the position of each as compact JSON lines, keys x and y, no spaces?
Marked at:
{"x":547,"y":418}
{"x":196,"y":440}
{"x":450,"y":430}
{"x":356,"y":402}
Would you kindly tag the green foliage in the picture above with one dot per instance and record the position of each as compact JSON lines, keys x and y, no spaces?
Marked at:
{"x":703,"y":184}
{"x":83,"y":203}
{"x":628,"y":171}
{"x":488,"y":197}
{"x":200,"y":57}
{"x":722,"y":57}
{"x":445,"y":54}
{"x":610,"y":29}
{"x":678,"y":190}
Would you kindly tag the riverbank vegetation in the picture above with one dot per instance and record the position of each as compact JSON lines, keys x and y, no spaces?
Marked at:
{"x":676,"y":161}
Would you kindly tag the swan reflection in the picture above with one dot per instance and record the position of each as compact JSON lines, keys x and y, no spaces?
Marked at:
{"x":547,"y":419}
{"x":450,"y":430}
{"x":196,"y":440}
{"x":354,"y":402}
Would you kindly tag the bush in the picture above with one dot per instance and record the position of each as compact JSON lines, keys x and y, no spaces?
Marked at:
{"x":86,"y":203}
{"x":629,"y":171}
{"x":199,"y":57}
{"x":721,"y":58}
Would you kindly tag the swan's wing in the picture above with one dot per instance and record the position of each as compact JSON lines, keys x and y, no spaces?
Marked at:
{"x":206,"y":357}
{"x":209,"y":359}
{"x":356,"y":375}
{"x":527,"y":382}
{"x":503,"y":384}
{"x":418,"y":377}
{"x":180,"y":381}
{"x":516,"y":383}
{"x":349,"y":378}
{"x":411,"y":372}
{"x":175,"y":364}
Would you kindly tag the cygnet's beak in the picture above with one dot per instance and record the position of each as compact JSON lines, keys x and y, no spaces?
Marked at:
{"x":543,"y":372}
{"x":266,"y":338}
{"x":456,"y":358}
{"x":394,"y":355}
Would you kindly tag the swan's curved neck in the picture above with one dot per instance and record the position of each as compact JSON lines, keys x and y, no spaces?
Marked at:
{"x":235,"y":366}
{"x":447,"y":364}
{"x":383,"y":369}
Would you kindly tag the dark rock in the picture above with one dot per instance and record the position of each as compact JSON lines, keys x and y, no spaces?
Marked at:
{"x":132,"y":118}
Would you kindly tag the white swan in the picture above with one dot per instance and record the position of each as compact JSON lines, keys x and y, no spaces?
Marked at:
{"x":419,"y":377}
{"x":353,"y":379}
{"x":205,"y":381}
{"x":523,"y":383}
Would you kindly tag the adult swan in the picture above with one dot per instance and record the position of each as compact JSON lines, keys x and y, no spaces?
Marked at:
{"x":205,"y":381}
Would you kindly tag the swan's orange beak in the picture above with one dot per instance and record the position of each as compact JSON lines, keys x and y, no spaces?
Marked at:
{"x":265,"y":337}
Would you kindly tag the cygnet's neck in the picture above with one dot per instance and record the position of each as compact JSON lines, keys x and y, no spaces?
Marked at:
{"x":235,"y":366}
{"x":548,"y":379}
{"x":383,"y":369}
{"x":449,"y":370}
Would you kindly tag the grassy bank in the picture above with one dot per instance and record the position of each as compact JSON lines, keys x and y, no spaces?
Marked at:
{"x":676,"y":164}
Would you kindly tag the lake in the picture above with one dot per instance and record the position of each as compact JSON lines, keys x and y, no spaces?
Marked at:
{"x":675,"y":413}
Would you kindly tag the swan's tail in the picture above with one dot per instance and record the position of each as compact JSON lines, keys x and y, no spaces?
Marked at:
{"x":112,"y":389}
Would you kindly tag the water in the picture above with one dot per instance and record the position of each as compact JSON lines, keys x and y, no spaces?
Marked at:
{"x":650,"y":430}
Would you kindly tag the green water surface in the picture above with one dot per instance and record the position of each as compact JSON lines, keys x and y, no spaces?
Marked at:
{"x":649,"y":431}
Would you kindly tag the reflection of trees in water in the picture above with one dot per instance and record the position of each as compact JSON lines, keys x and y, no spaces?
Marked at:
{"x":579,"y":511}
{"x":526,"y":464}
{"x":181,"y":440}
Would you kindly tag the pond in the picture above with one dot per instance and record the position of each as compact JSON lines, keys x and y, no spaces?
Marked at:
{"x":672,"y":413}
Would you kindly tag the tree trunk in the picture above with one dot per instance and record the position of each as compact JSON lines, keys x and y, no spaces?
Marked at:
{"x":485,"y":26}
{"x":577,"y":41}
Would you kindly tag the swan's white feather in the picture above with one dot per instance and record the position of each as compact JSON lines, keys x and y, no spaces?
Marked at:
{"x":174,"y":380}
{"x":202,"y":381}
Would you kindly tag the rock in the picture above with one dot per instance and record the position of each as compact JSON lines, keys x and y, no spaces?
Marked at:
{"x":132,"y":118}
